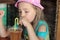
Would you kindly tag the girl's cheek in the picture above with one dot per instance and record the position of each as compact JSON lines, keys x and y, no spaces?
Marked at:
{"x":29,"y":18}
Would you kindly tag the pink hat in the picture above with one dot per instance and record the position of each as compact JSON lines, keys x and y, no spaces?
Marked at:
{"x":34,"y":2}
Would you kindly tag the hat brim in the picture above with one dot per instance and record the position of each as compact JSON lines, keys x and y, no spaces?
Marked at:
{"x":39,"y":5}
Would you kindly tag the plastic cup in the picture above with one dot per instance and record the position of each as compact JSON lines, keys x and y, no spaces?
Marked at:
{"x":15,"y":34}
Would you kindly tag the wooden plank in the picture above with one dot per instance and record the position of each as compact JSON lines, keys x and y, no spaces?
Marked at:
{"x":7,"y":1}
{"x":5,"y":38}
{"x":58,"y":20}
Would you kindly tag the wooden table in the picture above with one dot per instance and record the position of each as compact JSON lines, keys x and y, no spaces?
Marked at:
{"x":7,"y":38}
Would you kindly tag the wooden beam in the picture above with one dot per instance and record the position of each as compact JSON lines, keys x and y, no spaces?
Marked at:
{"x":58,"y":20}
{"x":7,"y":1}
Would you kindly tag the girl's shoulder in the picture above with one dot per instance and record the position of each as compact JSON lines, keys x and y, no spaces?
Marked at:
{"x":42,"y":22}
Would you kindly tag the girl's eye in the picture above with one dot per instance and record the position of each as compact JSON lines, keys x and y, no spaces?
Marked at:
{"x":26,"y":11}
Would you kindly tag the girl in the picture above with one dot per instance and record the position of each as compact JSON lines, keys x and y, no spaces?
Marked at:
{"x":31,"y":16}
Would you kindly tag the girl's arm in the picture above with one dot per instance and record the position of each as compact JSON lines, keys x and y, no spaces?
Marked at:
{"x":32,"y":34}
{"x":3,"y":32}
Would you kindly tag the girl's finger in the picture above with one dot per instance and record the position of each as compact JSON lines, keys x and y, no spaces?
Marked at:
{"x":1,"y":12}
{"x":20,"y":22}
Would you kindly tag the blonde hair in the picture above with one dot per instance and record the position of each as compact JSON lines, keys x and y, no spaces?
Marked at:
{"x":39,"y":16}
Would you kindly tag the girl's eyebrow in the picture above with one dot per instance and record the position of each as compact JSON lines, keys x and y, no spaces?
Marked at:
{"x":23,"y":9}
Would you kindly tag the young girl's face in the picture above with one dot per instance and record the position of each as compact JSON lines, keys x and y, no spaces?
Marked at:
{"x":26,"y":10}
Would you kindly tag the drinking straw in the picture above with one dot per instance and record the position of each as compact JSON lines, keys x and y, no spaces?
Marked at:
{"x":16,"y":24}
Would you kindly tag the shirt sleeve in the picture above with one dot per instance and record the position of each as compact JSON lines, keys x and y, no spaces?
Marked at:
{"x":42,"y":34}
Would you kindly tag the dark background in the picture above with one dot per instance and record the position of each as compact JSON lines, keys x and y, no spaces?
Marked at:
{"x":49,"y":11}
{"x":50,"y":16}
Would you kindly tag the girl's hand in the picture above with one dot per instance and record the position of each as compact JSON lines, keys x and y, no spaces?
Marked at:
{"x":25,"y":22}
{"x":1,"y":13}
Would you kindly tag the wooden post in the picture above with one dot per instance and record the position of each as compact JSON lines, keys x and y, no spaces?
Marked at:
{"x":7,"y":1}
{"x":58,"y":20}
